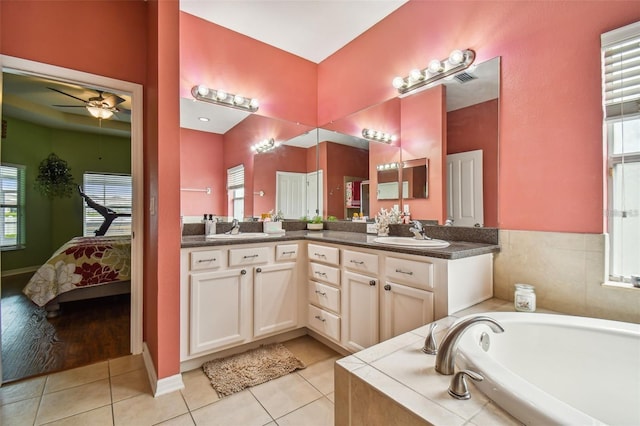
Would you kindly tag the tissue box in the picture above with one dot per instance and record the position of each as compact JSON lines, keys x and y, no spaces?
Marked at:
{"x":272,"y":227}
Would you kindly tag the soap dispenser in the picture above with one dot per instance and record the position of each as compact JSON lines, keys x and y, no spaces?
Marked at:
{"x":210,"y":226}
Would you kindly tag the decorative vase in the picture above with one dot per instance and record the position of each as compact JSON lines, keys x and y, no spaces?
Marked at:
{"x":315,"y":226}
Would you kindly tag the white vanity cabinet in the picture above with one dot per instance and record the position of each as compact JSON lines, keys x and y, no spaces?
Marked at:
{"x":324,"y":291}
{"x":232,"y":295}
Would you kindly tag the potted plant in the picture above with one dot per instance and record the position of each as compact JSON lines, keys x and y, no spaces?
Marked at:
{"x":54,"y":178}
{"x":315,"y":223}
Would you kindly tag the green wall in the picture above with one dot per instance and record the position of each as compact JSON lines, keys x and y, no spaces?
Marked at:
{"x":51,"y":223}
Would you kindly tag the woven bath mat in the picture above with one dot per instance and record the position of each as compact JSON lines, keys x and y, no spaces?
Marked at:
{"x":237,"y":372}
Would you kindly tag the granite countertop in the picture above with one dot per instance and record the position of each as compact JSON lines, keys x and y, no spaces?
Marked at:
{"x":456,"y":249}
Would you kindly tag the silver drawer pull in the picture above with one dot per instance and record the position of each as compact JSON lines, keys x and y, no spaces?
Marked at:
{"x":400,"y":271}
{"x":322,"y":274}
{"x":251,"y":256}
{"x":320,"y":255}
{"x":321,"y":293}
{"x":318,"y":317}
{"x":206,"y":260}
{"x":357,"y":262}
{"x":289,"y":252}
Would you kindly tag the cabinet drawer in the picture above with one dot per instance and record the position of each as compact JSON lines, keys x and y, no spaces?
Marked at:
{"x":286,"y":251}
{"x":324,"y":296}
{"x":361,"y":262}
{"x":248,"y":256}
{"x":416,"y":274}
{"x":324,"y":254}
{"x":325,"y":273}
{"x":324,"y":322}
{"x":208,"y":259}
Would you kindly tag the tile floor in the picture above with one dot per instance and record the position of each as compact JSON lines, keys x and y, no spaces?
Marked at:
{"x":117,"y":392}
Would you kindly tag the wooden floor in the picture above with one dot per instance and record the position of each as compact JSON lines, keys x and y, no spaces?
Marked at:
{"x":85,"y":332}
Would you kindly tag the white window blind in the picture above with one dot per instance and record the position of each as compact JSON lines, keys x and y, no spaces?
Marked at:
{"x":112,"y":191}
{"x":621,"y":101}
{"x":12,"y":206}
{"x":235,"y":187}
{"x":235,"y":177}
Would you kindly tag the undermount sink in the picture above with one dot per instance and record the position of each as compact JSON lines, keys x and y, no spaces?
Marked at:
{"x":239,"y":236}
{"x":411,"y":242}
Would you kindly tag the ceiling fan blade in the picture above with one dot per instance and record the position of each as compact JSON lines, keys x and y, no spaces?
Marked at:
{"x":66,"y":94}
{"x":70,"y":106}
{"x":113,"y":100}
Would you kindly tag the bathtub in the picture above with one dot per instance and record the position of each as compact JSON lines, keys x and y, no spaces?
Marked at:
{"x":555,"y":369}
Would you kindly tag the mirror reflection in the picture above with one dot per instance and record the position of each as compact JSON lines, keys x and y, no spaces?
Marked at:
{"x":414,"y":179}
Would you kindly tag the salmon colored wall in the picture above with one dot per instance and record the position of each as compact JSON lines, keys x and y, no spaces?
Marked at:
{"x":284,"y":84}
{"x":476,"y":127}
{"x":201,"y":166}
{"x":424,"y":135}
{"x":342,"y":161}
{"x":550,"y":111}
{"x":380,"y":153}
{"x":282,"y":159}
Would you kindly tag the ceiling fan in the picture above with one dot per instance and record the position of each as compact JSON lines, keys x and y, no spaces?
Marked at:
{"x":102,"y":106}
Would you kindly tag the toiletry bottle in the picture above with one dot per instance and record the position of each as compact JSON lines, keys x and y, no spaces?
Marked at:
{"x":211,"y":225}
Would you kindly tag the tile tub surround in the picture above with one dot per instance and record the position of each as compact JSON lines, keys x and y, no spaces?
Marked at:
{"x":567,"y":271}
{"x":394,"y":382}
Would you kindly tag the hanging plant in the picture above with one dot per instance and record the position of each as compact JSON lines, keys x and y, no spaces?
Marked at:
{"x":54,"y":177}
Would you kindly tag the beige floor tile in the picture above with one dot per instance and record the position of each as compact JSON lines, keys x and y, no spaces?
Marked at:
{"x":99,"y":417}
{"x":19,"y":413}
{"x":75,"y":400}
{"x":24,"y":389}
{"x":183,"y":420}
{"x":125,"y":364}
{"x":130,"y":384}
{"x":309,"y":350}
{"x":285,"y":394}
{"x":144,"y":409}
{"x":320,"y":375}
{"x":76,"y":377}
{"x":238,"y":409}
{"x":198,"y":391}
{"x":318,"y":413}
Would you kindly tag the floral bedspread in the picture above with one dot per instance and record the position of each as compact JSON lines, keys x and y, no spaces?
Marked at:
{"x":81,"y":262}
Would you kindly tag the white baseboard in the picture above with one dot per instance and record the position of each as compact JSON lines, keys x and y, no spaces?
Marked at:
{"x":25,"y":270}
{"x":162,"y":386}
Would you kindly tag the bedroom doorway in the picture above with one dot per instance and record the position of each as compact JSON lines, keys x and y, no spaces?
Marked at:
{"x":122,"y":90}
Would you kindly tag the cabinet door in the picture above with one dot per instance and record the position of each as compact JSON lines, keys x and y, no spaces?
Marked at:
{"x":275,"y":306}
{"x":359,"y":311}
{"x":404,"y":309}
{"x":220,"y":309}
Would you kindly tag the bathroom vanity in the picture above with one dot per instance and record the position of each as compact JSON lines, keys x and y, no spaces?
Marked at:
{"x":341,"y":285}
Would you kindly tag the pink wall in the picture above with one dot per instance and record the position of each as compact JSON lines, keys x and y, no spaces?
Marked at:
{"x":284,"y":84}
{"x":342,"y":161}
{"x":380,"y":153}
{"x":424,"y":135}
{"x":550,"y":108}
{"x":476,"y":127}
{"x":201,"y":166}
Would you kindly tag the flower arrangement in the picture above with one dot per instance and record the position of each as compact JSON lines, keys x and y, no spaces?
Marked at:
{"x":54,"y":177}
{"x":384,"y":218}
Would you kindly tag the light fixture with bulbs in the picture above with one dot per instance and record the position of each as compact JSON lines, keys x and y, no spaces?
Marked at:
{"x":378,"y":136}
{"x":264,"y":146}
{"x":99,"y":111}
{"x":457,"y":61}
{"x":387,"y":166}
{"x":220,"y":97}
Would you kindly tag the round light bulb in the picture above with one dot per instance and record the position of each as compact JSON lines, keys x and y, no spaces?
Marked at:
{"x":435,"y":66}
{"x":398,"y":82}
{"x":254,"y":103}
{"x":238,"y":100}
{"x":221,"y":95}
{"x":203,"y":90}
{"x":415,"y":74}
{"x":456,"y":57}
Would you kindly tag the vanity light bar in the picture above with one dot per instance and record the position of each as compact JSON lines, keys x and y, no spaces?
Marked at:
{"x":457,"y":61}
{"x":378,"y":136}
{"x":387,"y":166}
{"x":220,"y":97}
{"x":264,"y":146}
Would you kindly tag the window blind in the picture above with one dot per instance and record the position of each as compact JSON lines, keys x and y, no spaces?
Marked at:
{"x":112,"y":191}
{"x":12,"y":201}
{"x":621,"y":70}
{"x":235,"y":177}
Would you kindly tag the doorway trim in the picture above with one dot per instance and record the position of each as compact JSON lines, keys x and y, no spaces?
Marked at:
{"x":137,"y":166}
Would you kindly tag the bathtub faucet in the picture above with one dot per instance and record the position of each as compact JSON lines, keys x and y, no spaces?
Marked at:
{"x":445,"y":359}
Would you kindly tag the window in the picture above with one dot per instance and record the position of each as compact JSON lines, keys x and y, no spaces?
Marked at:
{"x":12,"y":218}
{"x":621,"y":96}
{"x":112,"y":191}
{"x":235,"y":187}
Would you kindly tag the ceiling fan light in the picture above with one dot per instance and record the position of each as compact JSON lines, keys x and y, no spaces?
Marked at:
{"x":99,"y":112}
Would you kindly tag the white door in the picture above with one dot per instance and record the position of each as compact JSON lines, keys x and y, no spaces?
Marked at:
{"x":314,"y":193}
{"x":275,"y":299}
{"x":291,"y":194}
{"x":464,"y":188}
{"x":404,"y":308}
{"x":359,"y":311}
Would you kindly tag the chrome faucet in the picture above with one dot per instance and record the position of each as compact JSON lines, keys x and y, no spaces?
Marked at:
{"x":445,"y":360}
{"x":418,"y":230}
{"x":235,"y":227}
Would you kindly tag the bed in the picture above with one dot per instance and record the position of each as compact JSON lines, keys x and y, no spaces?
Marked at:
{"x":83,"y":268}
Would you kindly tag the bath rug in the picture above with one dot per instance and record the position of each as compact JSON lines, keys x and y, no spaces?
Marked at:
{"x":234,"y":373}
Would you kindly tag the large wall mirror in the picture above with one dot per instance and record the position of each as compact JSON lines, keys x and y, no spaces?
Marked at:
{"x":333,"y":170}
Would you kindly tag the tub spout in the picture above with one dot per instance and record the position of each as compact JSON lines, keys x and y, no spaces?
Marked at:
{"x":445,"y":360}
